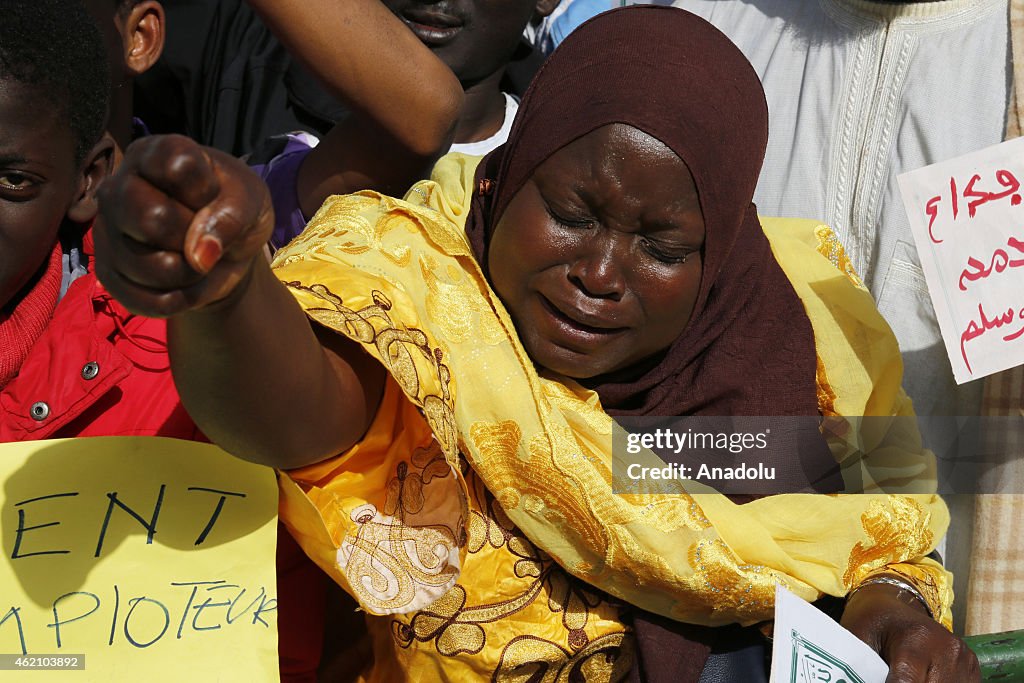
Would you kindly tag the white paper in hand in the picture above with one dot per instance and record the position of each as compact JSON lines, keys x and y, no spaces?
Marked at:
{"x":809,"y":647}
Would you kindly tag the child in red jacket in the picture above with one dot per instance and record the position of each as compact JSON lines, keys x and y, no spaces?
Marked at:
{"x":74,"y":362}
{"x":68,"y":353}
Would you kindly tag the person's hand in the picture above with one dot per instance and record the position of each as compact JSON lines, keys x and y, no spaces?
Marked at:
{"x":916,"y":647}
{"x":180,"y":226}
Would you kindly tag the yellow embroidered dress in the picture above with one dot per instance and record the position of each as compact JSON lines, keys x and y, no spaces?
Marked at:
{"x":470,"y":520}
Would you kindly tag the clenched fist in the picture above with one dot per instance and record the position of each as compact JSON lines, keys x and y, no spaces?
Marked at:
{"x":180,"y":226}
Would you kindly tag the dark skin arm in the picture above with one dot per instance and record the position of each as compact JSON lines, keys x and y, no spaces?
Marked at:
{"x":404,"y":101}
{"x":351,"y":46}
{"x":916,"y":647}
{"x":182,"y":231}
{"x":181,"y":236}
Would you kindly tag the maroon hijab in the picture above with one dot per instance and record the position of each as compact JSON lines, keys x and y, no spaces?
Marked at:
{"x":749,"y":347}
{"x":677,"y":78}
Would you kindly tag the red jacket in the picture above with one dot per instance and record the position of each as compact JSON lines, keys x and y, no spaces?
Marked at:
{"x":98,"y":370}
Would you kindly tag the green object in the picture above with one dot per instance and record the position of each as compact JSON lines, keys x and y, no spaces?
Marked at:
{"x":1001,"y":656}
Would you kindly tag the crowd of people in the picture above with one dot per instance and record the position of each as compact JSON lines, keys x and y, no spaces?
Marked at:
{"x":420,"y":267}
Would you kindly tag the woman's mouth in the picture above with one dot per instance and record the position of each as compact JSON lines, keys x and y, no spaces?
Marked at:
{"x":432,"y":28}
{"x":578,"y":326}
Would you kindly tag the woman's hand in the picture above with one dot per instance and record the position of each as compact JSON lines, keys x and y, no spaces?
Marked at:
{"x":180,"y":225}
{"x":916,"y":647}
{"x":182,"y":228}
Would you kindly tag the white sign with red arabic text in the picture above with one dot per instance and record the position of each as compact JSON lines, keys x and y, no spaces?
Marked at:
{"x":967,"y":216}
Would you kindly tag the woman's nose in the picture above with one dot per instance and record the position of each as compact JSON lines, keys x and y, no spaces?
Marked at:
{"x":598,"y":267}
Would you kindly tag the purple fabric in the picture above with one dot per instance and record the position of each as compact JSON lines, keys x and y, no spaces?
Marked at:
{"x":139,"y":128}
{"x":281,"y":175}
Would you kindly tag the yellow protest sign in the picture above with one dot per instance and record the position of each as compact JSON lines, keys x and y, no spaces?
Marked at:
{"x":152,"y":557}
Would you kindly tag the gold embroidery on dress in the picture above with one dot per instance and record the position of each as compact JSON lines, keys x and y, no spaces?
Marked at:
{"x":898,"y":531}
{"x":460,"y":629}
{"x":500,"y":442}
{"x":353,"y":233}
{"x":745,"y":590}
{"x":444,"y":231}
{"x":826,"y":394}
{"x":351,"y":221}
{"x":561,"y":396}
{"x":567,"y":597}
{"x":454,"y":303}
{"x":396,"y":347}
{"x":388,"y":562}
{"x":831,"y":248}
{"x":405,"y":491}
{"x":528,"y":659}
{"x":395,"y":556}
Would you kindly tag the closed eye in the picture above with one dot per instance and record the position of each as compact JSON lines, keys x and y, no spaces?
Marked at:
{"x":665,"y":253}
{"x":571,"y":220}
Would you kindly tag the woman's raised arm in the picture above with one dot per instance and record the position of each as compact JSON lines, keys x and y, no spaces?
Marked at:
{"x":183,"y":228}
{"x":181,"y":236}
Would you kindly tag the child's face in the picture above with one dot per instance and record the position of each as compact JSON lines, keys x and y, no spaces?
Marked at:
{"x":39,"y":181}
{"x":598,"y":256}
{"x":475,"y":38}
